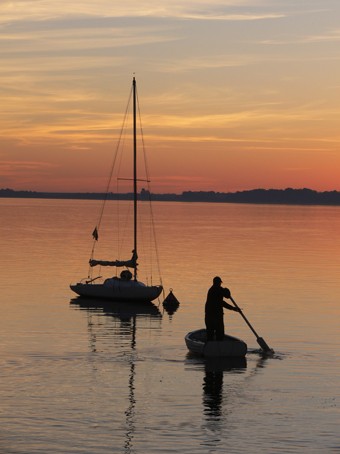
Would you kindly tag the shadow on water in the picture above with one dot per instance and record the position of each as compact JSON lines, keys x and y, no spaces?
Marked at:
{"x":127,"y":315}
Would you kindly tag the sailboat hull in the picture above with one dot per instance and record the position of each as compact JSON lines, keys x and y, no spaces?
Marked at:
{"x":118,"y":290}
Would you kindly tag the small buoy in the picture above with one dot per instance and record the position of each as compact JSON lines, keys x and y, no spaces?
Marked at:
{"x":171,"y":303}
{"x":171,"y":300}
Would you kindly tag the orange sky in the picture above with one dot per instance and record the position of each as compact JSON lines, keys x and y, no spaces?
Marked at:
{"x":234,"y":94}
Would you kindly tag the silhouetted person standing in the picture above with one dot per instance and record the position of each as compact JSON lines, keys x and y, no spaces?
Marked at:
{"x":214,"y":310}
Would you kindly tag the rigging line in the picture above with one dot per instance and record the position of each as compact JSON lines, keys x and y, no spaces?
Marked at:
{"x":114,"y":159}
{"x":147,"y":243}
{"x":123,"y":230}
{"x":101,"y":212}
{"x":142,"y":139}
{"x":149,"y":189}
{"x":155,"y":238}
{"x":120,"y":230}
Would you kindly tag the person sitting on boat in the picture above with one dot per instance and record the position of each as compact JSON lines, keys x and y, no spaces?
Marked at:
{"x":214,"y":310}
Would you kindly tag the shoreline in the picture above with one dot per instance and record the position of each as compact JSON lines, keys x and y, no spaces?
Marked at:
{"x":256,"y":196}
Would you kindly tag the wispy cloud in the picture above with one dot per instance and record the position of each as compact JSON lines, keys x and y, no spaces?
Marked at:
{"x":328,"y":36}
{"x":13,"y":168}
{"x":208,"y":62}
{"x":27,"y":10}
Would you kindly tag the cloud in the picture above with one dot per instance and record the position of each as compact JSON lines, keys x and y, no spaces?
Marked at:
{"x":329,"y":36}
{"x":41,"y":10}
{"x":16,"y":168}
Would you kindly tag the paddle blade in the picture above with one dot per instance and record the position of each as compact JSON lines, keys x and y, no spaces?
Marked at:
{"x":262,"y":343}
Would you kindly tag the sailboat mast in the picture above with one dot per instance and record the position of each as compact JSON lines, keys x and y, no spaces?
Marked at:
{"x":134,"y":175}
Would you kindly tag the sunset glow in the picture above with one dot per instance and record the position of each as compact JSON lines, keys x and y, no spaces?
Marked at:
{"x":234,"y":94}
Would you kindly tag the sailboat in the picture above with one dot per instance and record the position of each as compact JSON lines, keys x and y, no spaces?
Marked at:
{"x":124,"y":287}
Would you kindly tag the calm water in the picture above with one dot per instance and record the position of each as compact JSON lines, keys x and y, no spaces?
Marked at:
{"x":78,"y":379}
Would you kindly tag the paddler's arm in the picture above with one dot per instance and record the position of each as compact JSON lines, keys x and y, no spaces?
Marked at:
{"x":230,"y":307}
{"x":226,"y":294}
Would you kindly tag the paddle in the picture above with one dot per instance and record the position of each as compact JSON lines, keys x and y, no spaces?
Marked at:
{"x":262,"y":343}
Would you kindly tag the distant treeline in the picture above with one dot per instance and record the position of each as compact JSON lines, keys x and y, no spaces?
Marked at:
{"x":261,"y":196}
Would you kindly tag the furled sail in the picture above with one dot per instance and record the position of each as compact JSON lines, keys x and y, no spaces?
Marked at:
{"x":132,"y":263}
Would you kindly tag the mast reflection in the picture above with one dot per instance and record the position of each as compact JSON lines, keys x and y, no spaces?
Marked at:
{"x":127,"y":316}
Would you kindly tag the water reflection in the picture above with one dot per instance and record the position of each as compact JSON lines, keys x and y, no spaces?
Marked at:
{"x":121,"y":310}
{"x":170,"y":309}
{"x":223,"y":379}
{"x":127,"y":316}
{"x":130,"y":411}
{"x":214,"y":369}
